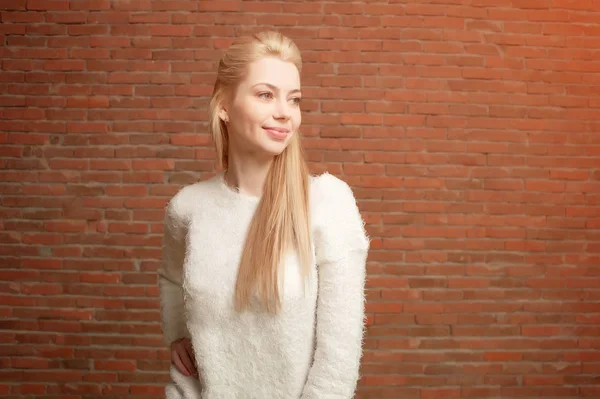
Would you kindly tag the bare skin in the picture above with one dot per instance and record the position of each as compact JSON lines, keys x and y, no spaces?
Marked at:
{"x":182,"y":356}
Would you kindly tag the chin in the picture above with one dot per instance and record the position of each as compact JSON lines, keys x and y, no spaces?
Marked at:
{"x":274,"y":149}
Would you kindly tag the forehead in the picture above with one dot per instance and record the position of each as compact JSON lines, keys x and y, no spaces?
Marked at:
{"x":274,"y":71}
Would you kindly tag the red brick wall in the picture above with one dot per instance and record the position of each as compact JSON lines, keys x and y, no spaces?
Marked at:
{"x":469,"y":129}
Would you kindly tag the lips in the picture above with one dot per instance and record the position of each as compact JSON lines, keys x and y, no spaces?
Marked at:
{"x":277,"y":133}
{"x":277,"y":129}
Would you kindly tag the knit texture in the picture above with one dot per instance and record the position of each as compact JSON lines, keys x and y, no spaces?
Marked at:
{"x":312,"y":349}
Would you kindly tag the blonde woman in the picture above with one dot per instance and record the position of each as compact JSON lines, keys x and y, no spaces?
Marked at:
{"x":262,"y":278}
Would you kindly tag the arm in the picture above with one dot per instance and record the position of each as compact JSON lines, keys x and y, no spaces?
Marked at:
{"x":170,"y":274}
{"x":341,"y":247}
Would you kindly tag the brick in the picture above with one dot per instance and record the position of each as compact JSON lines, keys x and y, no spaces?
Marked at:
{"x":48,"y":5}
{"x":114,"y":365}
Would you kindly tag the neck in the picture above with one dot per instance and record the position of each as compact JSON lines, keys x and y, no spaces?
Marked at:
{"x":247,"y":174}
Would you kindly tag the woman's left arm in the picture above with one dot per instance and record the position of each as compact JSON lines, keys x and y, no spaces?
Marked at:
{"x":341,"y":247}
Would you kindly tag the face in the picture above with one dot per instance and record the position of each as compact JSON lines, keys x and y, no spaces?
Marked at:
{"x":264,"y":112}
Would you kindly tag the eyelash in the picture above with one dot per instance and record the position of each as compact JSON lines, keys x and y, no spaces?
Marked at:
{"x":297,"y":100}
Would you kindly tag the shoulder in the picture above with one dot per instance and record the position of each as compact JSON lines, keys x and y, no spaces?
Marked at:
{"x":329,"y":189}
{"x":338,"y":224}
{"x":331,"y":198}
{"x":188,"y":198}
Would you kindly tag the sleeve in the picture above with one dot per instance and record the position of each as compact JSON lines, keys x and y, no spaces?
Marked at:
{"x":170,"y":273}
{"x":341,"y":247}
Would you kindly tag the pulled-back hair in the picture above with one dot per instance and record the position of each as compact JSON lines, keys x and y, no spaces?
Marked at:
{"x":281,"y":221}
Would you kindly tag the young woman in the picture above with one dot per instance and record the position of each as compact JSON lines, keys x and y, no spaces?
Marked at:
{"x":262,"y":278}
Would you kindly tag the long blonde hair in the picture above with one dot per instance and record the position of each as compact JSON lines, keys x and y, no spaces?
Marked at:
{"x":281,"y":221}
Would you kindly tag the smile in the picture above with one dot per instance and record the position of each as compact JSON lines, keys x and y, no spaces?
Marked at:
{"x":277,"y":133}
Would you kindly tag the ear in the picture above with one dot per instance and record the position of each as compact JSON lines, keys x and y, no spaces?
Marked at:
{"x":223,"y":115}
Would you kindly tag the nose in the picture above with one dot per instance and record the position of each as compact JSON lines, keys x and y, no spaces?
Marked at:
{"x":282,"y":110}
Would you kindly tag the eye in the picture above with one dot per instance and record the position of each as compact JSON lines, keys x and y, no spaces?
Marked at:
{"x":265,"y":95}
{"x":296,"y":100}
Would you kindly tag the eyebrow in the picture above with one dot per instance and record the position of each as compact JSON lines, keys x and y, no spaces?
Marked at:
{"x":275,"y":88}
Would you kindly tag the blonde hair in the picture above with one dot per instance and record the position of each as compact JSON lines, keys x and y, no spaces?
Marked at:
{"x":281,"y":220}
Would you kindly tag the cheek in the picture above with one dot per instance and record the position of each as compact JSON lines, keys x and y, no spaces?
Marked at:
{"x":255,"y":113}
{"x":297,"y":119}
{"x":246,"y":116}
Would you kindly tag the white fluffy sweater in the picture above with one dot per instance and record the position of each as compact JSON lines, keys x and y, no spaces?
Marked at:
{"x":312,"y":349}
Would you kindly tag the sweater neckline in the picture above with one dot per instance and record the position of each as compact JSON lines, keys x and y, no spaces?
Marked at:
{"x":231,"y":192}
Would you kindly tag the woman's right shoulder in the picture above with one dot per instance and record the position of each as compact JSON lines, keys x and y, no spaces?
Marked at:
{"x":188,"y":198}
